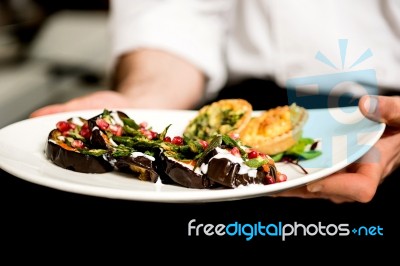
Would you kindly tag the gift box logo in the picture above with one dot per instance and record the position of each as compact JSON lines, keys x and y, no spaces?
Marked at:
{"x":336,"y":95}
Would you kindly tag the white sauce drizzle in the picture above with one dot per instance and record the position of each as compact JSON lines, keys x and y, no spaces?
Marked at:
{"x":116,"y":118}
{"x":111,"y":161}
{"x":204,"y":168}
{"x":221,"y":153}
{"x":158,"y":182}
{"x":77,"y":121}
{"x":113,"y":142}
{"x":138,"y":154}
{"x":188,"y":166}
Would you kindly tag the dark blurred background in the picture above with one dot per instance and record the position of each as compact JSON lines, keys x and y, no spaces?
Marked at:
{"x":50,"y":51}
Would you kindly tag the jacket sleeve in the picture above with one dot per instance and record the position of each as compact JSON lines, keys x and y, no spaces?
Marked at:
{"x":192,"y":29}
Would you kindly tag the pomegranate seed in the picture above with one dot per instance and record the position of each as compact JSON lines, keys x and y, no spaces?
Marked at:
{"x":203,"y":143}
{"x":116,"y":130}
{"x":234,"y":136}
{"x":235,"y":151}
{"x":63,"y":126}
{"x":85,"y":132}
{"x":143,"y":125}
{"x":177,"y":140}
{"x":252,"y":154}
{"x":154,"y":134}
{"x":281,"y":178}
{"x":148,"y":134}
{"x":77,"y":143}
{"x":102,"y":124}
{"x":270,"y":179}
{"x":262,"y":155}
{"x":167,"y":139}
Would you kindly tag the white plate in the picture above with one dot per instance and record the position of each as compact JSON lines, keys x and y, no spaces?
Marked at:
{"x":344,"y":133}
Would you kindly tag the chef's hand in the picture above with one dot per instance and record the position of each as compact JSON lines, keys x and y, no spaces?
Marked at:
{"x":145,"y":78}
{"x":360,"y":180}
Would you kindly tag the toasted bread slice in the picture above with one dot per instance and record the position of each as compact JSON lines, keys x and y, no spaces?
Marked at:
{"x":275,"y":130}
{"x":220,"y":117}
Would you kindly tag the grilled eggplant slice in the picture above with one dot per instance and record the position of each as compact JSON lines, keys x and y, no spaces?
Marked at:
{"x":225,"y":163}
{"x":220,"y":169}
{"x":105,"y":125}
{"x":80,"y":160}
{"x":139,"y":165}
{"x":183,"y":172}
{"x":230,"y":174}
{"x":227,"y":168}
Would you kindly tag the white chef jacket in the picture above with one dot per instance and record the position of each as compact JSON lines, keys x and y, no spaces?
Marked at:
{"x":230,"y":40}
